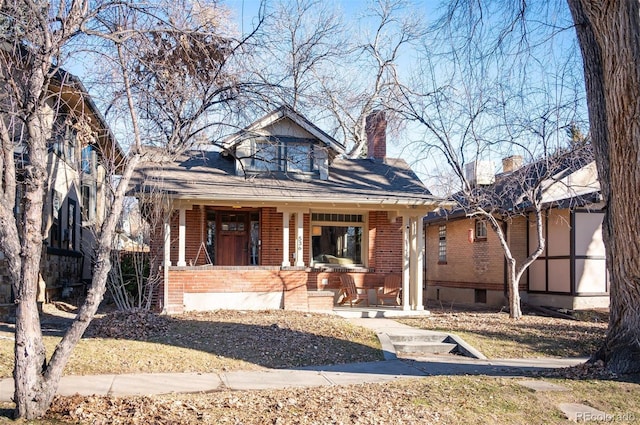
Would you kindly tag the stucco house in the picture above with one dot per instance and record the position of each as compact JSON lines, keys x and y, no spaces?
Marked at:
{"x":76,"y":190}
{"x":466,"y":264}
{"x":272,"y":220}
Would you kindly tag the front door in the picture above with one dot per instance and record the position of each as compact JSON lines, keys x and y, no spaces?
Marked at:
{"x":233,"y":239}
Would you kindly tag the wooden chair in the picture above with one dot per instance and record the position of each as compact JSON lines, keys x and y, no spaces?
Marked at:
{"x":391,"y":292}
{"x":349,"y":291}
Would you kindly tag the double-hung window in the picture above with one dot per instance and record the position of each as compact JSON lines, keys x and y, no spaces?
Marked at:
{"x":442,"y":243}
{"x":481,"y":230}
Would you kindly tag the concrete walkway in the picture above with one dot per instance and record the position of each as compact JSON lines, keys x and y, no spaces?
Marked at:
{"x":370,"y":372}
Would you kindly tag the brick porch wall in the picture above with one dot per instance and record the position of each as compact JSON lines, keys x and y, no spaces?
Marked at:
{"x":292,"y":282}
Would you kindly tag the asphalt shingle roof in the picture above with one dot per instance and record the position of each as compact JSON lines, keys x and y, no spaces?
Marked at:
{"x":210,"y":175}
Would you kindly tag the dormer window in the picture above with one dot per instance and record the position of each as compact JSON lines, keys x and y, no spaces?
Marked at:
{"x":298,"y":157}
{"x":284,"y":154}
{"x":265,"y":156}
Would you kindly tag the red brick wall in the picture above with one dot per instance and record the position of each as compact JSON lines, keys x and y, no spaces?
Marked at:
{"x":195,"y":235}
{"x":293,"y":283}
{"x":478,"y":264}
{"x":385,"y":243}
{"x":235,"y":279}
{"x":271,"y":236}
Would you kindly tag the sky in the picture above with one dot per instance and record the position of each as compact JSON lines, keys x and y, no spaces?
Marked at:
{"x":245,"y":14}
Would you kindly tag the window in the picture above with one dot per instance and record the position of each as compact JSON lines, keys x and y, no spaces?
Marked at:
{"x":265,"y":156}
{"x":70,"y":231}
{"x":336,"y":239}
{"x":211,"y":236}
{"x":298,"y":157}
{"x":88,"y":160}
{"x":481,"y":230}
{"x":254,"y":241}
{"x":64,"y":142}
{"x":442,"y":243}
{"x":88,"y":199}
{"x":285,"y":154}
{"x":56,"y":213}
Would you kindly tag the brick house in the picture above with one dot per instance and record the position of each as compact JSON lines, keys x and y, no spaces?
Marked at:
{"x":76,"y":190}
{"x":272,"y":220}
{"x":465,"y":262}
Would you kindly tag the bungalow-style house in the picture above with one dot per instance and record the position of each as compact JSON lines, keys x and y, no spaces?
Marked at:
{"x":75,"y":196}
{"x":466,"y":264}
{"x":272,"y":220}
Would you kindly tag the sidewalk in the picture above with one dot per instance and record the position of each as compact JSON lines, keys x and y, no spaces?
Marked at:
{"x":354,"y":373}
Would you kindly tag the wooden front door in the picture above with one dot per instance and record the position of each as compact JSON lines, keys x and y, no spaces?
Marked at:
{"x":233,"y":239}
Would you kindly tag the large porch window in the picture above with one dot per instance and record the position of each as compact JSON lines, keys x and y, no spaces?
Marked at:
{"x":336,"y":239}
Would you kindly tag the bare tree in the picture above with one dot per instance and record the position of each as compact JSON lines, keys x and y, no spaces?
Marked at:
{"x":155,"y":58}
{"x":608,"y":40}
{"x":134,"y":282}
{"x":473,"y":104}
{"x":298,"y":40}
{"x":338,"y":72}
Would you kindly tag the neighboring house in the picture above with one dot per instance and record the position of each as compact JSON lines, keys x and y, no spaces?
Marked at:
{"x":465,"y":262}
{"x":276,"y":217}
{"x":75,"y":194}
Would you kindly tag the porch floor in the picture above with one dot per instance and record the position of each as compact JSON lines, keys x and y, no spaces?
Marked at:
{"x":377,"y":311}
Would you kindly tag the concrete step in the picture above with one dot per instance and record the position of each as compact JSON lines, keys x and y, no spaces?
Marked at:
{"x":417,"y":347}
{"x":418,"y":337}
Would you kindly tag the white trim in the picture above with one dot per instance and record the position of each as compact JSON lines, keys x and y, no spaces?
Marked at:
{"x":280,"y":113}
{"x":286,"y":215}
{"x":182,"y":231}
{"x":299,"y":239}
{"x":406,"y":274}
{"x":415,"y":264}
{"x":420,"y":262}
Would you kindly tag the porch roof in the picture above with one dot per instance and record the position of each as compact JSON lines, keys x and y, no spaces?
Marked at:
{"x":210,"y":177}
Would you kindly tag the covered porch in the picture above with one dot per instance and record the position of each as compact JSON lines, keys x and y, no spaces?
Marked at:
{"x":288,"y":256}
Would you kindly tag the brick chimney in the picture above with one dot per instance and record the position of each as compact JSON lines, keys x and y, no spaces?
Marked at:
{"x":511,"y":163}
{"x":376,"y":129}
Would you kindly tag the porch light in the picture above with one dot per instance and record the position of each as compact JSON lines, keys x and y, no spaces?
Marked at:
{"x":316,"y":231}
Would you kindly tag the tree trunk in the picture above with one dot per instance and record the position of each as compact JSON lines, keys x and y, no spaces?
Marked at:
{"x":609,"y":37}
{"x":29,"y":350}
{"x":515,"y":312}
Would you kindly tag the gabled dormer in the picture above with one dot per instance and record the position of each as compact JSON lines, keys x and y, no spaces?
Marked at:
{"x":283,"y":142}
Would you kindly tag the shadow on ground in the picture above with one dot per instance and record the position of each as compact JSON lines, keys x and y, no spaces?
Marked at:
{"x":271,"y":339}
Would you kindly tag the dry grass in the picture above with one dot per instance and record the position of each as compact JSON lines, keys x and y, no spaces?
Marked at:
{"x":236,"y":340}
{"x":432,"y":400}
{"x":497,"y":336}
{"x":212,"y":342}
